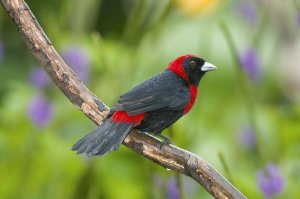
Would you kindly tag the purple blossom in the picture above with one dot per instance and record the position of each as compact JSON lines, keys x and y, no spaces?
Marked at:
{"x":250,"y":62}
{"x":39,"y":78}
{"x":248,"y":12}
{"x":40,"y":110}
{"x":270,"y":180}
{"x":298,"y":19}
{"x":173,"y":189}
{"x":247,"y":138}
{"x":78,"y":60}
{"x":1,"y":50}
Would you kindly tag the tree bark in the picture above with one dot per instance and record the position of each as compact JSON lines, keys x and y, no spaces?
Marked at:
{"x":168,"y":156}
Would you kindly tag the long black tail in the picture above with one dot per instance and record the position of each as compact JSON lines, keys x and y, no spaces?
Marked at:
{"x":106,"y":137}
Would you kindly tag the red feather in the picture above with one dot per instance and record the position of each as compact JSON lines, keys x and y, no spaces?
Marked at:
{"x":122,"y":116}
{"x":177,"y":66}
{"x":193,"y":94}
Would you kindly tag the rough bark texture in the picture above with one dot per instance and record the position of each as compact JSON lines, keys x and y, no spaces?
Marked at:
{"x":169,"y":156}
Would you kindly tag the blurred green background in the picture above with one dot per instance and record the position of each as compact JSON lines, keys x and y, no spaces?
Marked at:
{"x":246,"y":122}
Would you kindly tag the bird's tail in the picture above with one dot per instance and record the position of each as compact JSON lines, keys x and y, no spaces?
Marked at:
{"x":106,"y":137}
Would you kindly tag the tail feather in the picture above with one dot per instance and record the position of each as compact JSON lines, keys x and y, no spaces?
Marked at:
{"x":83,"y":145}
{"x":112,"y":143}
{"x":80,"y":146}
{"x":106,"y":137}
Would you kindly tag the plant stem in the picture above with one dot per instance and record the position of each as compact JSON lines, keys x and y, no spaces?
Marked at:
{"x":245,"y":85}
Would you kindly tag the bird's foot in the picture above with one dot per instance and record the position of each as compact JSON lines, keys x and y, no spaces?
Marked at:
{"x":165,"y":140}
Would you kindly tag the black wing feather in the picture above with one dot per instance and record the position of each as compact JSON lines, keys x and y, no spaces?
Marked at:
{"x":164,"y":90}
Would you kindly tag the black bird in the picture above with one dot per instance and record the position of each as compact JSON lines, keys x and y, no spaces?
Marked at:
{"x":151,"y":106}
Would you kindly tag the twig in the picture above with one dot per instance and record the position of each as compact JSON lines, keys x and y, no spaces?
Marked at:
{"x":169,"y":156}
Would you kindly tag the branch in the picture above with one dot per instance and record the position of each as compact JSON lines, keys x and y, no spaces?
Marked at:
{"x":169,"y":156}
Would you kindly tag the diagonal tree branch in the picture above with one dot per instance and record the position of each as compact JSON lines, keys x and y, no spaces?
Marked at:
{"x":168,"y":156}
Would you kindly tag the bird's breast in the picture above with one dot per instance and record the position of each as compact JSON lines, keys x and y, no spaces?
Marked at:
{"x":193,"y":96}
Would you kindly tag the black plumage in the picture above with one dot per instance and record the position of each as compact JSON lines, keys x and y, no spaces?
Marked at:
{"x":151,"y":107}
{"x":162,"y":98}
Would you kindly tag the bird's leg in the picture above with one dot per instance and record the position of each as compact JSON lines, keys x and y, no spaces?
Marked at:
{"x":165,"y":140}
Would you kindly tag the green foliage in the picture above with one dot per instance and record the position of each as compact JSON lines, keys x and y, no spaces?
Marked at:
{"x":127,"y":44}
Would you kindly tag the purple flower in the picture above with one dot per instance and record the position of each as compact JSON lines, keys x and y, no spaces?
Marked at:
{"x":78,"y":60}
{"x":1,"y":50}
{"x":173,"y":189}
{"x":248,"y":12}
{"x":247,"y":138}
{"x":298,"y":19}
{"x":250,"y":62}
{"x":40,"y":110}
{"x":270,"y":180}
{"x":39,"y":78}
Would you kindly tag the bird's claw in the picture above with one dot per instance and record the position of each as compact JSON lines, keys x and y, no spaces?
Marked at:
{"x":165,"y":140}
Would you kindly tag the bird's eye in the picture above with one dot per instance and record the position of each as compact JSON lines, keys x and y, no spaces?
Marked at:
{"x":193,"y":64}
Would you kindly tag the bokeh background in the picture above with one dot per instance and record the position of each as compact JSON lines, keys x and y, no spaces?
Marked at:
{"x":246,"y":122}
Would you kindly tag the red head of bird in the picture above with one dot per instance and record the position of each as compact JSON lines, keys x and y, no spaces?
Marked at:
{"x":190,"y":68}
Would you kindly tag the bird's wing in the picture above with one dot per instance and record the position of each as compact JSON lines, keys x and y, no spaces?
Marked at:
{"x":164,"y":90}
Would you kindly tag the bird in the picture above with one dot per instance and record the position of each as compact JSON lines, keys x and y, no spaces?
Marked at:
{"x":151,"y":106}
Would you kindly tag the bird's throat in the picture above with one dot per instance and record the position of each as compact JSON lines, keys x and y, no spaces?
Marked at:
{"x":193,"y":96}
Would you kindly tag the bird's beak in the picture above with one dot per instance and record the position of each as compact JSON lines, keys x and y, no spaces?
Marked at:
{"x":208,"y":67}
